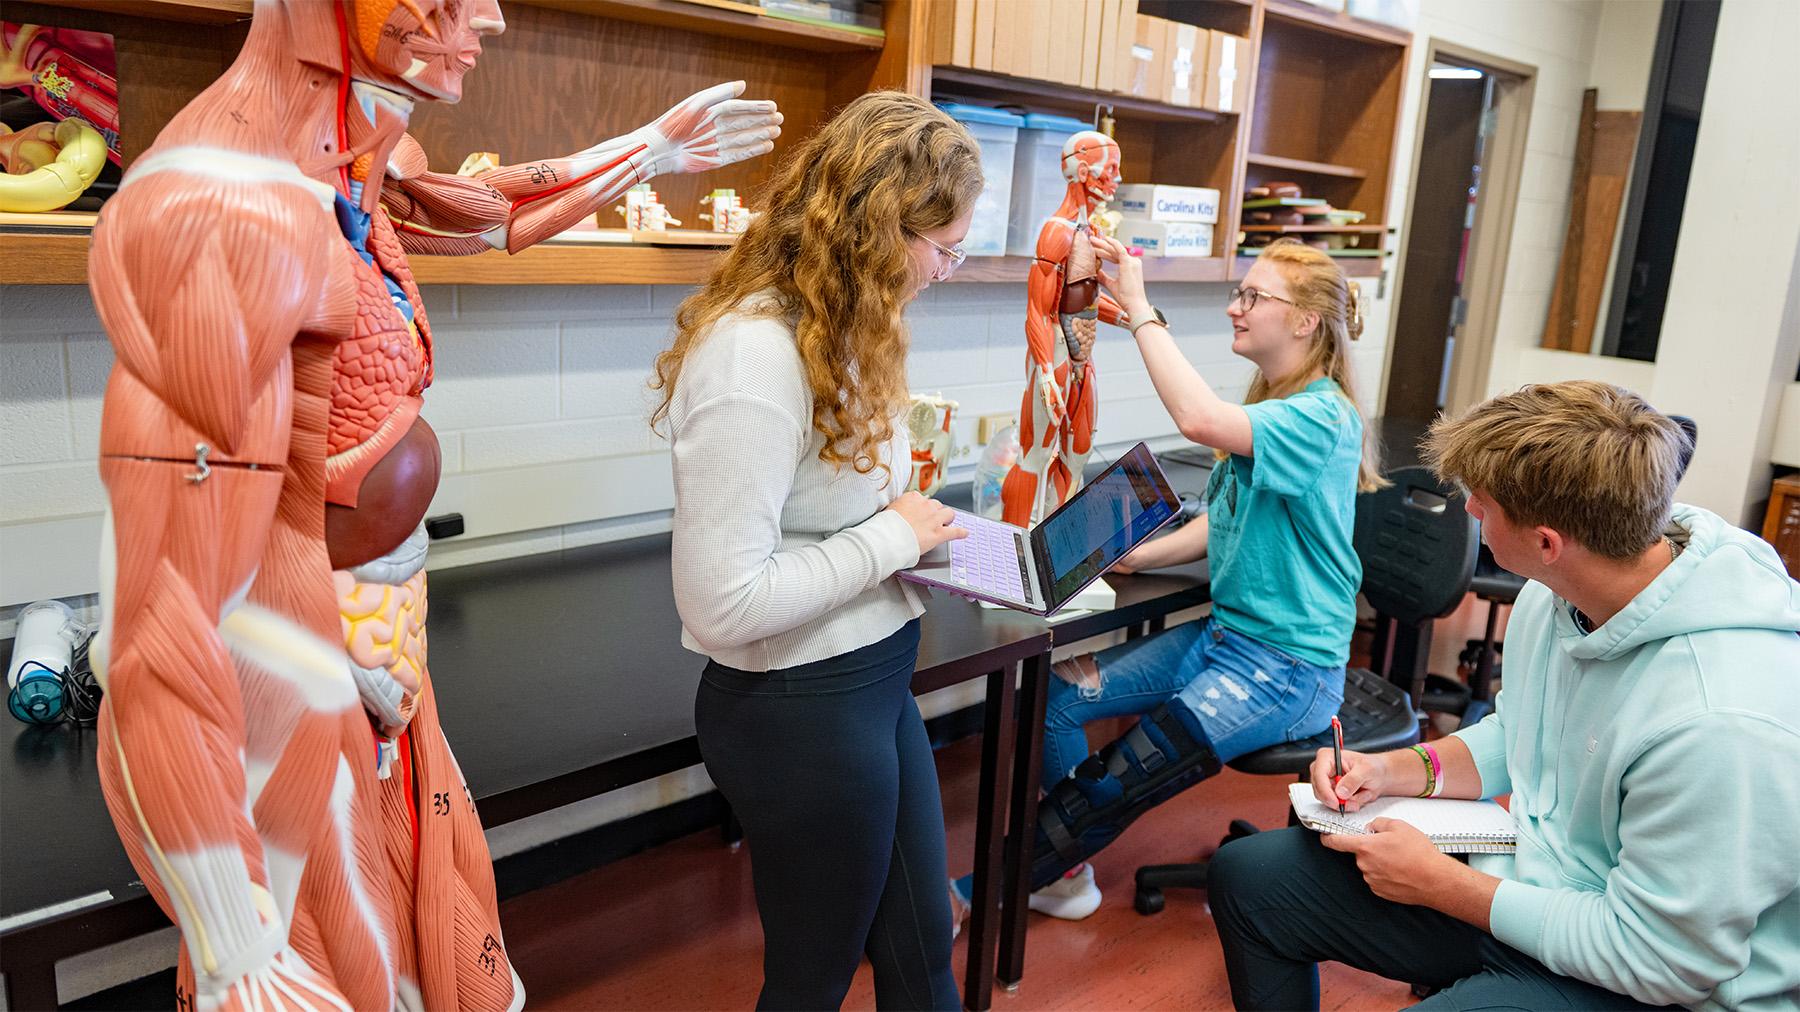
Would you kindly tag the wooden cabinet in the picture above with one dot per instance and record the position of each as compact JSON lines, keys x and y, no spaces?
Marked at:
{"x":1781,"y":525}
{"x":1324,"y":100}
{"x":1325,"y":113}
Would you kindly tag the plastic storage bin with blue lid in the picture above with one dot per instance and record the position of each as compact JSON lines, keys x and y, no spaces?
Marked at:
{"x":997,"y":132}
{"x":1038,"y":185}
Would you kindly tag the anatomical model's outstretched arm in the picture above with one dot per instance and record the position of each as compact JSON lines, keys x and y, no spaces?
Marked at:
{"x":517,"y":206}
{"x":217,"y":773}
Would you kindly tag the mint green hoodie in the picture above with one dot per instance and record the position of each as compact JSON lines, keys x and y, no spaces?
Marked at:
{"x":1654,"y":767}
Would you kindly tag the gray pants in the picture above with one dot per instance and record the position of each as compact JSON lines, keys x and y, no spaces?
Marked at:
{"x":1282,"y":903}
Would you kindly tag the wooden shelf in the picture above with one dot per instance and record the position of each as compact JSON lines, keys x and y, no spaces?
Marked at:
{"x":202,"y":12}
{"x":33,"y":259}
{"x":1296,"y":229}
{"x":1355,"y":267}
{"x":729,"y":22}
{"x":1014,"y":270}
{"x":1301,"y":165}
{"x":963,"y":82}
{"x":1298,"y":12}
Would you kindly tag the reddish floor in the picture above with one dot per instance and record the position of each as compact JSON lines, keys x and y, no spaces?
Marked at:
{"x":675,"y":927}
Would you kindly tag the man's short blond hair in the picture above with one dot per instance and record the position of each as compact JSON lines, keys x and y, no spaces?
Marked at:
{"x":1590,"y":460}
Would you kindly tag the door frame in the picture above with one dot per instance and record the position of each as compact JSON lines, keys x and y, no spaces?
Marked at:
{"x":1484,"y":275}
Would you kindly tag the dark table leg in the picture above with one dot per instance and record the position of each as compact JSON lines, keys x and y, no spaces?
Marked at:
{"x":1021,"y":830}
{"x":996,"y":745}
{"x":31,"y":987}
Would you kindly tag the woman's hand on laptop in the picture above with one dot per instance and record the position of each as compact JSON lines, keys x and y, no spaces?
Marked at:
{"x":930,"y":520}
{"x":1135,"y":560}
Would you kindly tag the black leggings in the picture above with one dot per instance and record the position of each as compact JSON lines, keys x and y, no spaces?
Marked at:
{"x":827,"y":767}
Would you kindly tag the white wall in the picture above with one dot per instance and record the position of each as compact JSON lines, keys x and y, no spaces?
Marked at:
{"x":1557,"y":39}
{"x":1725,"y":360}
{"x":532,"y":384}
{"x":1624,"y":43}
{"x":1731,"y":331}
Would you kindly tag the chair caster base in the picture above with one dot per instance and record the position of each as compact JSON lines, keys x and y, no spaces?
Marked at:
{"x":1148,"y":901}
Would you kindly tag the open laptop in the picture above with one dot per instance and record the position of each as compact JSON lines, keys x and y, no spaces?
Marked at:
{"x":1040,"y":570}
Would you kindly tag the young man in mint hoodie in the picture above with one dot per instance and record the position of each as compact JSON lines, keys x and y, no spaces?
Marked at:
{"x":1648,"y":732}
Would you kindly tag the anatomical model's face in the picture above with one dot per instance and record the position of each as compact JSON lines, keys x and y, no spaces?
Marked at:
{"x":1092,"y":158}
{"x":424,"y":46}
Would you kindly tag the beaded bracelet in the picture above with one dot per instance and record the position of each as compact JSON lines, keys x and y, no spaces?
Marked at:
{"x":1428,"y":756}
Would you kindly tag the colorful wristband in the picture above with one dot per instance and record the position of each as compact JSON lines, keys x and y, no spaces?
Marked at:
{"x":1437,"y":770}
{"x":1431,"y":768}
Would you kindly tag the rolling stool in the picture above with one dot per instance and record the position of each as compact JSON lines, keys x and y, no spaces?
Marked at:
{"x":1377,"y":716}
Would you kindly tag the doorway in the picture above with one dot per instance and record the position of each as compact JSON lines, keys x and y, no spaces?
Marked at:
{"x":1469,"y":151}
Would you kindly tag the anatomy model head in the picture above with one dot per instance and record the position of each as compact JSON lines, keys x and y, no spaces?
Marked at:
{"x":419,"y":47}
{"x":1092,"y":159}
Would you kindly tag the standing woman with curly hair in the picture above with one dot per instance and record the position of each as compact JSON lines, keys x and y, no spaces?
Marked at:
{"x":782,"y":395}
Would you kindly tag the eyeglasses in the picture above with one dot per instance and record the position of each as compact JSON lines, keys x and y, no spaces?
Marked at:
{"x":1248,"y":297}
{"x":955,"y":253}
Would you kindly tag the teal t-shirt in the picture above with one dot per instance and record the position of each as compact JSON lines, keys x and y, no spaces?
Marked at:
{"x":1284,"y":569}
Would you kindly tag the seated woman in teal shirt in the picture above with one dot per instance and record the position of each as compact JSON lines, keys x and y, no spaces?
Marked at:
{"x":1268,"y":665}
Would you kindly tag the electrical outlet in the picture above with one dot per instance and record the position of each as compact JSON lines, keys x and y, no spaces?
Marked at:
{"x":987,"y":425}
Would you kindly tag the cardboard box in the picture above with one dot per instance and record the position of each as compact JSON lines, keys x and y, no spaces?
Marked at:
{"x":1167,"y":238}
{"x":983,"y":45}
{"x":1156,"y":202}
{"x":1144,"y":70}
{"x":1186,"y":49}
{"x":953,"y":33}
{"x":1065,"y":48}
{"x":1042,"y":37}
{"x":1227,"y":67}
{"x":1090,"y":42}
{"x":1109,"y":45}
{"x":1124,"y":36}
{"x":1008,"y":47}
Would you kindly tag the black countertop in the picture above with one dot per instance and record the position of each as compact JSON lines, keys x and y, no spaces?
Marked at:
{"x":544,"y":666}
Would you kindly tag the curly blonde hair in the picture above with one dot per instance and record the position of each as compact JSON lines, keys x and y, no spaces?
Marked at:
{"x":832,"y":247}
{"x":1319,"y":286}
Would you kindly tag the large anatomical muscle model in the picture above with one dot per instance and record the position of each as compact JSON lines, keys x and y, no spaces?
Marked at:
{"x":1061,"y":402}
{"x":269,"y":744}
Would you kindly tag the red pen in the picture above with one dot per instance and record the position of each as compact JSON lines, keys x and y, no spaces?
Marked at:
{"x":1337,"y":758}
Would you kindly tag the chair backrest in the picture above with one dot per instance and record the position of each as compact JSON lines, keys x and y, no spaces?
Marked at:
{"x":1692,"y":428}
{"x":1417,"y":545}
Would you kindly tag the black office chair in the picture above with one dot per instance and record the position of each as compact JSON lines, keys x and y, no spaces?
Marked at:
{"x":1376,"y":716}
{"x":1417,"y":547}
{"x":1498,"y":587}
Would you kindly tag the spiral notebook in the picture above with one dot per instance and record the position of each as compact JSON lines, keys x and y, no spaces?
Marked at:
{"x":1455,"y":827}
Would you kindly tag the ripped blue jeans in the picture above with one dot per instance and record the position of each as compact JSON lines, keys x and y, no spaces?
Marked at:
{"x":1247,"y":695}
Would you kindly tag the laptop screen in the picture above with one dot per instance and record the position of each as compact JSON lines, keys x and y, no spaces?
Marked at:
{"x":1102,"y":522}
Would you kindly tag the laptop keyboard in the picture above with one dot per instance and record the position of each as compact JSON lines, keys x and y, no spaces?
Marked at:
{"x":991,"y":559}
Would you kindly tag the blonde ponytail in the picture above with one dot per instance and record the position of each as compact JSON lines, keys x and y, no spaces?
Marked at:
{"x":1318,"y":286}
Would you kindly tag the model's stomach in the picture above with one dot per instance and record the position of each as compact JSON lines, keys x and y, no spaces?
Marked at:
{"x":390,"y":502}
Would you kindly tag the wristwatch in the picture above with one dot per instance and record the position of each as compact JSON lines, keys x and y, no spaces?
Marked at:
{"x":1156,"y":316}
